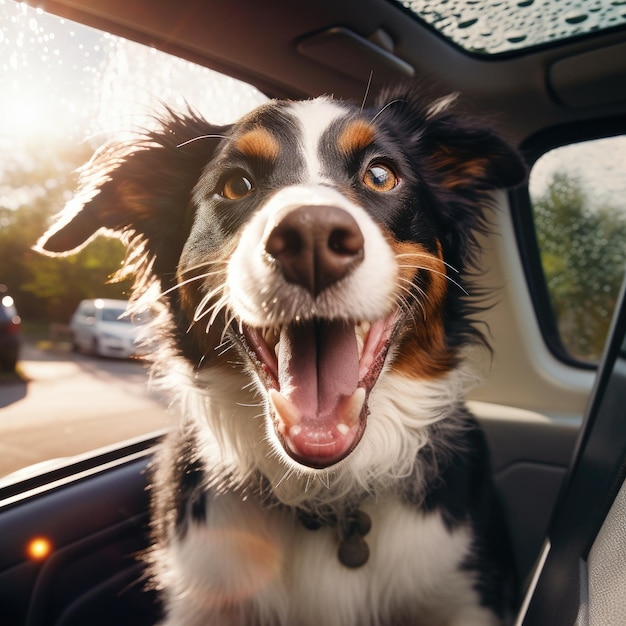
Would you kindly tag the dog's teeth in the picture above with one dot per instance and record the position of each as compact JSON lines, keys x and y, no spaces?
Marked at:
{"x":285,"y":410}
{"x":359,"y":344}
{"x":352,"y":407}
{"x":361,"y":330}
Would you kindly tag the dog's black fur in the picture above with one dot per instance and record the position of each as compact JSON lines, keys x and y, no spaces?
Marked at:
{"x":404,"y":180}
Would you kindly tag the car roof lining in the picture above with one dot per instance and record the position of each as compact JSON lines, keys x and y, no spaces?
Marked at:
{"x":278,"y":49}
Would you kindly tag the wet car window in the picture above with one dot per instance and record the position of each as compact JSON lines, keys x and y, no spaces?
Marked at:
{"x":498,"y":27}
{"x":66,"y":89}
{"x":578,"y":194}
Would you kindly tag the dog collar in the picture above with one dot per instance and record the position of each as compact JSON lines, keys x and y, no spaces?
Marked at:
{"x":352,"y":523}
{"x":353,"y":551}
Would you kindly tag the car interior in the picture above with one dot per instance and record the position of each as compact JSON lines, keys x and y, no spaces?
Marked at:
{"x":548,"y":74}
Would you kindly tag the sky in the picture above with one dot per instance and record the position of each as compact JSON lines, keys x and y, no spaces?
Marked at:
{"x":599,"y":165}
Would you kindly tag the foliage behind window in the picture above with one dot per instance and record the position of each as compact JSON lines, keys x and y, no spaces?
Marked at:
{"x":49,"y":289}
{"x":579,"y":204}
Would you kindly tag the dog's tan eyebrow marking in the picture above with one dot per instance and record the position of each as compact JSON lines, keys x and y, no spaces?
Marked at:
{"x":258,"y":143}
{"x":356,"y":136}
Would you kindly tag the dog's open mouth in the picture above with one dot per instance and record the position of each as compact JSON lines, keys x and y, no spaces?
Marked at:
{"x":318,"y":375}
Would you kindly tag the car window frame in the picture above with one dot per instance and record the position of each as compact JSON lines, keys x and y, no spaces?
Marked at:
{"x":55,"y":473}
{"x":521,"y":206}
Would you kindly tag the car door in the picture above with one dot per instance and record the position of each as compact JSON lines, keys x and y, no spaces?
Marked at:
{"x":580,"y":576}
{"x":72,"y":540}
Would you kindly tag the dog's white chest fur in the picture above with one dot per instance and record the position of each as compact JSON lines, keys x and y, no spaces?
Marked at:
{"x":265,"y":568}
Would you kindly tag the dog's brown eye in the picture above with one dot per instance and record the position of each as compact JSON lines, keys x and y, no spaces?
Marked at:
{"x":380,"y":177}
{"x":237,"y":186}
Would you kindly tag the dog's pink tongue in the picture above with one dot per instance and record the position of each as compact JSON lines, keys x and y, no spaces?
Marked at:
{"x":319,"y":404}
{"x":318,"y":365}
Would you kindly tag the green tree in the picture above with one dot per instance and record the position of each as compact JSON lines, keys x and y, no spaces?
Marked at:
{"x":583,"y":253}
{"x":32,"y":190}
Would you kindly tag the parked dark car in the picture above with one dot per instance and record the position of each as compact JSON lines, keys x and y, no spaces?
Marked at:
{"x":10,"y":325}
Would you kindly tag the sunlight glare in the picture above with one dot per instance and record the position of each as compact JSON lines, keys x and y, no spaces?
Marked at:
{"x":27,"y":114}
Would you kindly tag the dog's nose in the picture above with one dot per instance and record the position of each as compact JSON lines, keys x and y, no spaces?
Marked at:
{"x":315,"y":246}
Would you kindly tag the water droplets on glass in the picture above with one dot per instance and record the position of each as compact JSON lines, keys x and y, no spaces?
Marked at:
{"x":66,"y":80}
{"x":579,"y":212}
{"x":496,"y":26}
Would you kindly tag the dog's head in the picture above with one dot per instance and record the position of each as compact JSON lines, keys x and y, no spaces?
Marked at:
{"x":328,"y":243}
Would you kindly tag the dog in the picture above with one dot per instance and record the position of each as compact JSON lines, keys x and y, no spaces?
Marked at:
{"x":314,"y":262}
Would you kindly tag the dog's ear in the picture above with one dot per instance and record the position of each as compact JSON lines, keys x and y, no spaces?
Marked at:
{"x":466,"y":153}
{"x":459,"y":151}
{"x":141,"y":188}
{"x":460,"y":158}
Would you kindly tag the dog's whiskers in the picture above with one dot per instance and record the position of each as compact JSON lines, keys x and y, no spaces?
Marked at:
{"x":202,"y":264}
{"x":249,"y":385}
{"x":414,"y":287}
{"x":367,"y":90}
{"x":324,"y":478}
{"x":287,"y":474}
{"x":307,"y":483}
{"x":202,"y":310}
{"x":410,"y":287}
{"x":199,"y":138}
{"x":224,"y":347}
{"x":398,"y":101}
{"x":229,"y":320}
{"x":426,"y":256}
{"x":434,"y":271}
{"x":191,"y":280}
{"x":454,"y":282}
{"x":220,"y":306}
{"x":252,"y":405}
{"x":411,"y":295}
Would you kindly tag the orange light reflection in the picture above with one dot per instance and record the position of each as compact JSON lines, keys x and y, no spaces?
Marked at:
{"x":39,"y":548}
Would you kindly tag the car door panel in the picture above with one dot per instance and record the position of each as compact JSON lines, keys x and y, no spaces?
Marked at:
{"x":530,"y":462}
{"x":97,"y":526}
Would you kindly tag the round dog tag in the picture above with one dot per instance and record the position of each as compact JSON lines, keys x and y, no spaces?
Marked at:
{"x":353,"y":551}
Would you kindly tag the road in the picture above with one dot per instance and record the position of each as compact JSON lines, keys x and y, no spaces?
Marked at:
{"x":65,"y":404}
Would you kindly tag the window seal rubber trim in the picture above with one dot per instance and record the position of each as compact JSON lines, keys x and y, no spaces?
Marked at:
{"x":532,"y":149}
{"x":80,"y":467}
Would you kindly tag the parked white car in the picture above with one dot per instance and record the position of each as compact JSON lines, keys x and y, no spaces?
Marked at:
{"x":103,"y":327}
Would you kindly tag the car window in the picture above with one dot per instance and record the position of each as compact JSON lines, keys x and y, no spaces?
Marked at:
{"x":115,"y":315}
{"x":66,"y":89}
{"x":578,"y":197}
{"x":504,"y":27}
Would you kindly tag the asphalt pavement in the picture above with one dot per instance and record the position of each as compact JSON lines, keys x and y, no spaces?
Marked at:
{"x":63,"y":404}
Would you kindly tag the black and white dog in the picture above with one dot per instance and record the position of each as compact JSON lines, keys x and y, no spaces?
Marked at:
{"x":313,"y":261}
